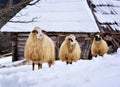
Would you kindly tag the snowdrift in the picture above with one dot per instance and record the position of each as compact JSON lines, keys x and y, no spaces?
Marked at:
{"x":98,"y":72}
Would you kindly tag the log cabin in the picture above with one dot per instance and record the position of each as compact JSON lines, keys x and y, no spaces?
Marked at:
{"x":59,"y":18}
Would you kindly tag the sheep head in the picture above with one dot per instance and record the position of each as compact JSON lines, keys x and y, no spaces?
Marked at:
{"x":71,"y":40}
{"x":38,"y":32}
{"x":98,"y":37}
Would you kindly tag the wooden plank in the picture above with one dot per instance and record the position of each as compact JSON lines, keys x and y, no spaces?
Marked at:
{"x":20,"y":46}
{"x":21,"y":39}
{"x":20,"y":54}
{"x":6,"y":54}
{"x":23,"y":34}
{"x":22,"y":43}
{"x":14,"y":47}
{"x":20,"y":49}
{"x":116,"y":43}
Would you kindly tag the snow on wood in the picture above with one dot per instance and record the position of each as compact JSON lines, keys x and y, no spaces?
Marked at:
{"x":108,"y":18}
{"x":108,"y":11}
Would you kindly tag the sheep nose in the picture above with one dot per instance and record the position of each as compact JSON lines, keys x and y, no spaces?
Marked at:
{"x":74,"y":43}
{"x":40,"y":35}
{"x":97,"y":39}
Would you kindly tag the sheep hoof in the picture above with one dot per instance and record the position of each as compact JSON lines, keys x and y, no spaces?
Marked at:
{"x":101,"y":55}
{"x":39,"y":66}
{"x":67,"y":62}
{"x":50,"y":63}
{"x":95,"y":56}
{"x":33,"y":65}
{"x":70,"y":62}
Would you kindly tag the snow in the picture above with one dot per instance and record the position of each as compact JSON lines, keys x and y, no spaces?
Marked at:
{"x":108,"y":18}
{"x":98,"y":72}
{"x":7,"y":60}
{"x":108,"y":14}
{"x":55,"y":16}
{"x":106,"y":2}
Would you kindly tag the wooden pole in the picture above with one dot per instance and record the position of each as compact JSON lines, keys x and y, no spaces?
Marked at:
{"x":14,"y":46}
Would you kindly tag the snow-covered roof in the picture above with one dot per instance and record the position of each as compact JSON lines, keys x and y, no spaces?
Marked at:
{"x":108,"y":11}
{"x":55,"y":16}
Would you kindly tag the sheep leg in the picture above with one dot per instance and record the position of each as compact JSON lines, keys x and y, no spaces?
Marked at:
{"x":94,"y":56}
{"x":101,"y":55}
{"x":39,"y":66}
{"x":70,"y":62}
{"x":67,"y":62}
{"x":33,"y":65}
{"x":49,"y":63}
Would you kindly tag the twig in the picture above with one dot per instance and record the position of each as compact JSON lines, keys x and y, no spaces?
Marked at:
{"x":34,"y":2}
{"x":33,"y":20}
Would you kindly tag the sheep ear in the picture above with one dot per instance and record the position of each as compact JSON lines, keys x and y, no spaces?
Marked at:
{"x":43,"y":31}
{"x":34,"y":31}
{"x":98,"y":33}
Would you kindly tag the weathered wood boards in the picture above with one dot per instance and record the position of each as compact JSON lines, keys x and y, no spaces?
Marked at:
{"x":84,"y":39}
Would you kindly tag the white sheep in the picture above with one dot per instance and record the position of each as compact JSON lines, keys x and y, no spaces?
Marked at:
{"x":70,"y":50}
{"x":39,"y":48}
{"x":99,"y":46}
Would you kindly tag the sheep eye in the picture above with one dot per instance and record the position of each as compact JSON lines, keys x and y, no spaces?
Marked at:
{"x":70,"y":40}
{"x":35,"y":31}
{"x":43,"y":31}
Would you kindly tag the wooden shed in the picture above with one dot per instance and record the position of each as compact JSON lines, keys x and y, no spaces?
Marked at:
{"x":19,"y":39}
{"x":59,"y":18}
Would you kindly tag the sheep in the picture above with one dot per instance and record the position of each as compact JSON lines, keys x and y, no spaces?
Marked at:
{"x":70,"y":50}
{"x":99,"y":46}
{"x":39,"y":48}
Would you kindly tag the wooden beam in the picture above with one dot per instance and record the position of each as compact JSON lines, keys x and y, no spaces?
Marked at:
{"x":14,"y":47}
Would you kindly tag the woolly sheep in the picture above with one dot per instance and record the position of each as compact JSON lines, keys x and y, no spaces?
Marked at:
{"x":39,"y":48}
{"x":70,"y":50}
{"x":99,"y":46}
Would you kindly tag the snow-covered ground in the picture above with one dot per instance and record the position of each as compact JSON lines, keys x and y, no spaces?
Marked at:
{"x":98,"y":72}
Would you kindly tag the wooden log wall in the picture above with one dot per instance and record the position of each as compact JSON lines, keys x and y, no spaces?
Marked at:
{"x":21,"y":40}
{"x":84,"y":39}
{"x":5,"y":43}
{"x":19,"y":44}
{"x":14,"y":47}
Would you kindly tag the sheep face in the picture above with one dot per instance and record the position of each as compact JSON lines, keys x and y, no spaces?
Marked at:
{"x":97,"y":37}
{"x":38,"y":32}
{"x":71,"y":39}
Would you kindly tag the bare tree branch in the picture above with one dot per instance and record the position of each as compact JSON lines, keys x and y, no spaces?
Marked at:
{"x":10,"y":10}
{"x":34,"y":2}
{"x":33,"y":20}
{"x":10,"y":3}
{"x":5,"y":10}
